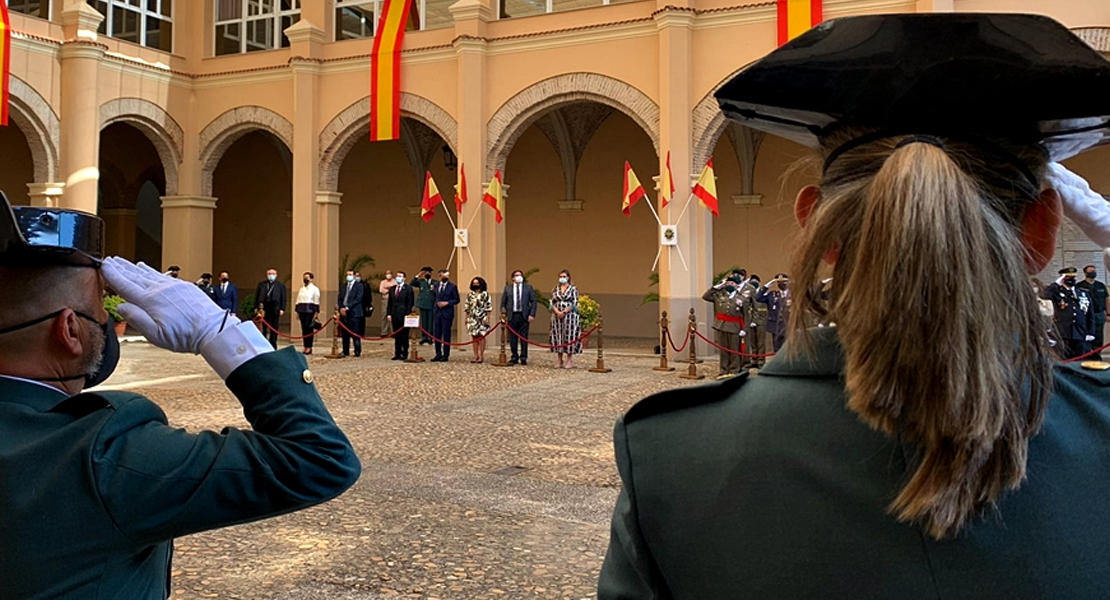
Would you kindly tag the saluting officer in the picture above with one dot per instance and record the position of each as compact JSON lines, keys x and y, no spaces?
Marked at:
{"x":1098,"y":293}
{"x":778,"y":308}
{"x":755,"y":316}
{"x":1074,"y":314}
{"x":728,"y":322}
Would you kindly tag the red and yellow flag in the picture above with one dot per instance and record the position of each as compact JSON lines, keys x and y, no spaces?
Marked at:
{"x":495,"y":197}
{"x":431,"y":198}
{"x":796,"y":17}
{"x":706,"y":189}
{"x":633,"y":190}
{"x":5,"y":60}
{"x":385,"y":72}
{"x":460,"y":189}
{"x":666,"y":185}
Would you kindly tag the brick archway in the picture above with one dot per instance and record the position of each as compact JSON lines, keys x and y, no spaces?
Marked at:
{"x":225,"y":129}
{"x":522,"y":110}
{"x":707,"y":126}
{"x":346,"y":129}
{"x":31,"y":113}
{"x":158,"y":127}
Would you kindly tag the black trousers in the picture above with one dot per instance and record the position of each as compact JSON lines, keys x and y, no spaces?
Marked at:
{"x":356,"y":325}
{"x":519,"y":323}
{"x":444,"y":321}
{"x":1074,"y":348}
{"x":1100,"y":326}
{"x":401,"y":342}
{"x":272,"y":316}
{"x":307,"y":319}
{"x":426,"y":315}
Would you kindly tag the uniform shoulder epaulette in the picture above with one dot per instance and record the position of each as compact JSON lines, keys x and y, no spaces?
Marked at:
{"x":678,"y":399}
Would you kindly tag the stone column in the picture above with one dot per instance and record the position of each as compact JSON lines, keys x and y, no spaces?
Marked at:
{"x":46,"y":194}
{"x":935,"y":6}
{"x":306,"y":40}
{"x":486,"y":237}
{"x":679,"y":288}
{"x":327,"y":250}
{"x":80,"y":109}
{"x":187,"y":236}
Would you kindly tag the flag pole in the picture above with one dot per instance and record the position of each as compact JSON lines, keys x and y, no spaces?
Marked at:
{"x":471,"y":255}
{"x":448,"y":214}
{"x":657,"y":220}
{"x":474,"y":216}
{"x":683,"y":213}
{"x":453,"y":250}
{"x":679,"y":248}
{"x":657,"y":255}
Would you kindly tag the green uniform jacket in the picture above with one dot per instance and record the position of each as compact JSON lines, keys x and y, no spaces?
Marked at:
{"x":770,"y":488}
{"x":94,"y":487}
{"x":425,"y":295}
{"x":724,"y":305}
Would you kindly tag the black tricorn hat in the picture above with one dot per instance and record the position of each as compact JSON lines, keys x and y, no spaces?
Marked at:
{"x":32,"y":236}
{"x":1025,"y":78}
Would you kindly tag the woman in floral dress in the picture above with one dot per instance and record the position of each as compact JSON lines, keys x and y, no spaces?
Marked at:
{"x":478,"y":308}
{"x":566,"y":327}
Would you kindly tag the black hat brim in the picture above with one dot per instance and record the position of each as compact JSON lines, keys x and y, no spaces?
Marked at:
{"x":33,"y":236}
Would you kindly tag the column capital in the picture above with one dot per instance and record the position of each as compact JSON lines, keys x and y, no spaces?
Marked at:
{"x":673,"y":16}
{"x":80,"y":21}
{"x":471,"y":10}
{"x":305,"y":39}
{"x":188,"y":202}
{"x":82,"y":48}
{"x":47,"y":195}
{"x":327,"y":197}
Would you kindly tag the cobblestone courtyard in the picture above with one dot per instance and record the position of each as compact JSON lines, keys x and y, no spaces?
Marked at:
{"x":477,"y":482}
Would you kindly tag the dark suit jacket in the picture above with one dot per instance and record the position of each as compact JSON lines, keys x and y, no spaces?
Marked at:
{"x":527,"y":300}
{"x":95,"y":487}
{"x":771,"y":488}
{"x":352,"y":303}
{"x":1074,"y":314}
{"x":400,"y":304}
{"x":367,"y":299}
{"x":449,"y":293}
{"x":227,"y":300}
{"x":275,"y":300}
{"x":778,"y":309}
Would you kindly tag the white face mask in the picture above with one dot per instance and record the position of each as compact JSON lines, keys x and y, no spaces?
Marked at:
{"x":350,"y":278}
{"x":518,"y":279}
{"x":271,"y":277}
{"x":400,"y":280}
{"x":563,"y":280}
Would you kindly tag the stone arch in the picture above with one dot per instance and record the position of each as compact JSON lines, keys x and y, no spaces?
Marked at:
{"x":158,"y":127}
{"x":522,"y":110}
{"x":707,"y":126}
{"x":225,"y":129}
{"x":31,"y":113}
{"x":341,"y":134}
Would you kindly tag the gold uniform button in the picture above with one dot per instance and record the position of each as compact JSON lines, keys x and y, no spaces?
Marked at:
{"x":1095,"y":365}
{"x":307,"y":375}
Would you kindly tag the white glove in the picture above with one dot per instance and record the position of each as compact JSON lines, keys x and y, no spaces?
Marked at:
{"x":171,"y":313}
{"x":1060,"y":279}
{"x":1087,"y":208}
{"x":1089,"y":338}
{"x":743,"y":333}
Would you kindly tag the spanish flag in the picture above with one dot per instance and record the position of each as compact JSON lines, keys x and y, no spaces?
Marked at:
{"x":385,"y":72}
{"x":5,"y":60}
{"x":796,"y":17}
{"x":431,"y":198}
{"x":706,"y":189}
{"x":633,"y":191}
{"x":666,"y":185}
{"x":494,"y":196}
{"x":460,"y":189}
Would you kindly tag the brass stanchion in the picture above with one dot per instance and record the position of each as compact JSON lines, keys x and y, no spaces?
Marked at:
{"x":692,"y":372}
{"x":260,"y":320}
{"x":503,"y":358}
{"x":414,"y":343}
{"x":600,"y":368}
{"x":335,"y":338}
{"x":663,"y":343}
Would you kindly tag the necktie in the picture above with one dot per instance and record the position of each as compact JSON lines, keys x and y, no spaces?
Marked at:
{"x":223,"y":287}
{"x":516,"y":298}
{"x":347,"y":296}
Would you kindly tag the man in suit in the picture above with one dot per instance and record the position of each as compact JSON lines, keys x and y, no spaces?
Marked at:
{"x":226,"y":294}
{"x":367,"y":300}
{"x":1074,"y":313}
{"x":270,"y":297}
{"x":205,"y":285}
{"x":519,"y":303}
{"x":349,"y":304}
{"x":401,"y":301}
{"x":728,"y":323}
{"x":96,"y":485}
{"x":426,"y":302}
{"x":778,"y":308}
{"x":1099,"y":307}
{"x":447,"y":297}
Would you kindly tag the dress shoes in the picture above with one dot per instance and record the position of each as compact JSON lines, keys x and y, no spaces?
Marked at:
{"x":514,"y":361}
{"x":397,"y":358}
{"x":524,"y":362}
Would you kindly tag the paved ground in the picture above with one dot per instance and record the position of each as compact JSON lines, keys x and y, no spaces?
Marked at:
{"x":478,"y":482}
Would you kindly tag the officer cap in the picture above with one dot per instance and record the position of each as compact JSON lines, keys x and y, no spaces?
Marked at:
{"x":206,"y":276}
{"x":1068,"y":271}
{"x":35,"y":236}
{"x":1024,"y":78}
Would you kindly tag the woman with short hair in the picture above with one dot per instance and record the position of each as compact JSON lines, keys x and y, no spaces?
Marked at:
{"x":478,"y":307}
{"x":308,"y":309}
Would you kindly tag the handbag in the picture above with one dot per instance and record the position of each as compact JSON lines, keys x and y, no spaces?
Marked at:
{"x":317,"y":325}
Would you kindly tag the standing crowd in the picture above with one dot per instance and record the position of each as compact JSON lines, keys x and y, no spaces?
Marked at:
{"x":745,"y":311}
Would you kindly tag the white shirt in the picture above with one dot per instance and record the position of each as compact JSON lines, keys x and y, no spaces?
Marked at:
{"x":309,"y":294}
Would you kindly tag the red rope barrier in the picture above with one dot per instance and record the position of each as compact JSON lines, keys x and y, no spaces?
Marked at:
{"x":547,"y":347}
{"x":730,"y":350}
{"x":685,"y":342}
{"x":291,"y":337}
{"x":1087,"y":355}
{"x":461,"y":344}
{"x":364,"y":338}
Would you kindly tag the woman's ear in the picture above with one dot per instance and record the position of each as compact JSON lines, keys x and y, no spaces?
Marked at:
{"x":1039,"y":226}
{"x":806,"y":202}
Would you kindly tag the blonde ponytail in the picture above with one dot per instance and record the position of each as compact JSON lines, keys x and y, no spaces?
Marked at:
{"x":944,"y":346}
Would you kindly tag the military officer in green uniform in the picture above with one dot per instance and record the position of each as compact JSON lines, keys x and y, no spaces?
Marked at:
{"x":755,"y":317}
{"x":94,"y":485}
{"x":728,"y":320}
{"x":927,"y":445}
{"x":425,"y":301}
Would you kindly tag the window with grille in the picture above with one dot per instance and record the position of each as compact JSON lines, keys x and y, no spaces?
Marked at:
{"x":253,"y":25}
{"x":35,"y":8}
{"x":145,"y":22}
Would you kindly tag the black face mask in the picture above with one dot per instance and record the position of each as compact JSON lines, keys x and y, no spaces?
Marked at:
{"x":1092,"y":274}
{"x":223,"y":280}
{"x":307,"y":281}
{"x":475,"y":288}
{"x":1070,"y":281}
{"x":109,"y":357}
